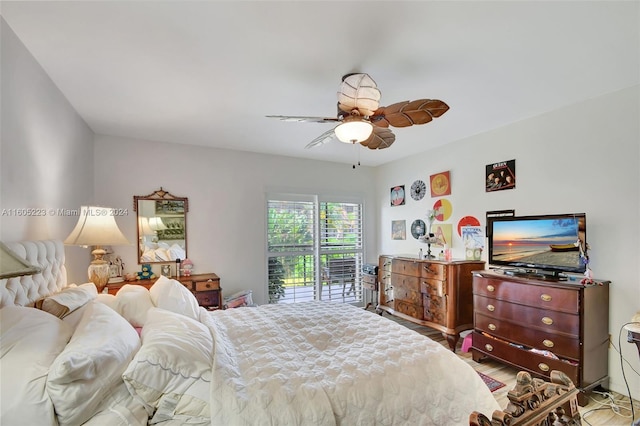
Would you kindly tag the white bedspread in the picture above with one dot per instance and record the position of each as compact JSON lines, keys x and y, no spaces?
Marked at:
{"x":320,"y":363}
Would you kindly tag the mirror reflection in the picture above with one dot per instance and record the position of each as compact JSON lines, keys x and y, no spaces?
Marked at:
{"x":162,"y":227}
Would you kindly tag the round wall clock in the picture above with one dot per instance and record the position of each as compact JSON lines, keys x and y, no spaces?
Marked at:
{"x":418,"y":228}
{"x":397,"y":195}
{"x":418,"y":189}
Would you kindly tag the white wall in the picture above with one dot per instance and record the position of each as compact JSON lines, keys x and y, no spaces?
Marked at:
{"x":583,"y":158}
{"x":46,"y":154}
{"x":227,"y":205}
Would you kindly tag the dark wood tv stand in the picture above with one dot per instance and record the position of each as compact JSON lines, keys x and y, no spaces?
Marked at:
{"x":542,"y":325}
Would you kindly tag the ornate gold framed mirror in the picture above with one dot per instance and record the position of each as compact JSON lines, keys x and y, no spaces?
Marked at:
{"x":162,"y":227}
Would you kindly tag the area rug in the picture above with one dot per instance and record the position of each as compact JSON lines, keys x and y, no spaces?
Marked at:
{"x":491,"y":383}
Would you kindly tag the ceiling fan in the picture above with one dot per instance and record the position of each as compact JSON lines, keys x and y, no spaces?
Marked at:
{"x":362,"y":120}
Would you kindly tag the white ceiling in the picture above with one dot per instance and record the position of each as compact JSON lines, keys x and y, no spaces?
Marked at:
{"x":208,"y":72}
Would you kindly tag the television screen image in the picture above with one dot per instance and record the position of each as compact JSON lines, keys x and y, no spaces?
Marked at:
{"x":548,"y":242}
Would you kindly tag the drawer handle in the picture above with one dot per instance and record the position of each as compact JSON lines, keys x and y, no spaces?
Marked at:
{"x":492,"y":327}
{"x":488,"y":347}
{"x":546,"y":297}
{"x":491,"y":288}
{"x":544,"y":367}
{"x":491,"y":308}
{"x":547,"y":320}
{"x":208,"y":285}
{"x":548,"y":343}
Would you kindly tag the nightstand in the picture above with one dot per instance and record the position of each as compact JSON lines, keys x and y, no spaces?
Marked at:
{"x":205,"y":287}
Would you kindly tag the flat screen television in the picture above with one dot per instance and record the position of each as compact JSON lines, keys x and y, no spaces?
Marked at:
{"x":544,"y":245}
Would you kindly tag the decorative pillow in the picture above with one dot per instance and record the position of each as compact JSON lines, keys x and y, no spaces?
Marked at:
{"x":91,"y":365}
{"x":177,"y":252}
{"x":133,"y":302}
{"x":109,"y":300}
{"x":120,"y":409}
{"x":172,"y":370}
{"x":31,"y":340}
{"x":173,"y":296}
{"x":68,"y":300}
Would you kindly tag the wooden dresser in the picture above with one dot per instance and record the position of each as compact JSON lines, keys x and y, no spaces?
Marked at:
{"x":538,"y":326}
{"x":432,"y":293}
{"x":206,"y":288}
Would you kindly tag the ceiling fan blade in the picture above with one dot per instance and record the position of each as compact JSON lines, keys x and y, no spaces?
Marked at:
{"x":304,"y":119}
{"x":380,"y":138}
{"x":404,"y":114}
{"x":322,"y":139}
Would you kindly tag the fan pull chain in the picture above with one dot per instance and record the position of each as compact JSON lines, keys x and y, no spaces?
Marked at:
{"x":357,"y":155}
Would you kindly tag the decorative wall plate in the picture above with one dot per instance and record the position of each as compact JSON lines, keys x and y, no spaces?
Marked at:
{"x":418,"y":228}
{"x":397,"y":195}
{"x":440,"y":184}
{"x":443,"y":209}
{"x":418,"y":190}
{"x":467,"y":221}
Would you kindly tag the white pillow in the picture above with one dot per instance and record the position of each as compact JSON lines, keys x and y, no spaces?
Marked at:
{"x":133,"y":302}
{"x":109,"y":300}
{"x":177,"y":252}
{"x":29,"y":343}
{"x":91,"y":365}
{"x":173,"y":296}
{"x":172,"y":369}
{"x":162,"y":255}
{"x":68,"y":300}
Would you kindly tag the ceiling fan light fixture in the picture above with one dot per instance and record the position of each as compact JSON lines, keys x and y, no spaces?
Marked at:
{"x":353,"y":130}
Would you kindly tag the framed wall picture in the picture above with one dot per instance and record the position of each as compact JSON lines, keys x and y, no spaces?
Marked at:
{"x":500,"y":176}
{"x":397,"y":196}
{"x":440,"y":184}
{"x":398,"y":229}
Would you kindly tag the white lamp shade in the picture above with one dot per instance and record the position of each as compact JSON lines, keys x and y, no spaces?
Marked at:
{"x":157,"y":224}
{"x":96,"y":227}
{"x":144,"y":228}
{"x":353,"y":131}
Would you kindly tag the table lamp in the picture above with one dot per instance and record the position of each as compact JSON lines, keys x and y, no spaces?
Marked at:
{"x":97,"y":227}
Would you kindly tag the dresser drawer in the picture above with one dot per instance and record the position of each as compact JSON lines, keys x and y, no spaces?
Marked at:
{"x":433,"y":287}
{"x":435,"y":309}
{"x":384,"y":264}
{"x":535,"y":363}
{"x":436,"y":271}
{"x":406,"y":282}
{"x":406,"y":295}
{"x":208,"y":298}
{"x":410,"y":309}
{"x":206,"y":285}
{"x":370,"y":282}
{"x":405,"y":267}
{"x":545,"y":297}
{"x":559,"y":344}
{"x":541,"y":319}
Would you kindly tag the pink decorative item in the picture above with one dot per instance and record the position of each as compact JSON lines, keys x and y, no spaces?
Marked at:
{"x":187,"y":266}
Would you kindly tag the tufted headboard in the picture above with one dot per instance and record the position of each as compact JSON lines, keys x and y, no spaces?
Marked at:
{"x":24,"y":291}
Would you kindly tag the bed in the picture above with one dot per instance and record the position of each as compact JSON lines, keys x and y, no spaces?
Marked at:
{"x":71,"y":356}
